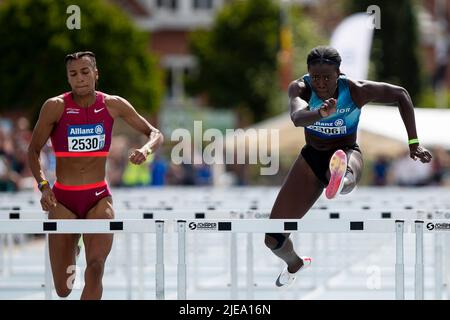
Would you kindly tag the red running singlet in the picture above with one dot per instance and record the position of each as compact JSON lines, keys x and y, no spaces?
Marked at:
{"x":83,"y":132}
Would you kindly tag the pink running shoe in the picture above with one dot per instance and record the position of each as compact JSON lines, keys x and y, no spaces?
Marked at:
{"x":338,"y":168}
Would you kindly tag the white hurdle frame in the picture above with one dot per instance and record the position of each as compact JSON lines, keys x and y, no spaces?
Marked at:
{"x":399,"y":261}
{"x":419,"y":231}
{"x":149,"y":225}
{"x":293,"y":225}
{"x":90,"y":226}
{"x":418,"y":267}
{"x":204,"y":213}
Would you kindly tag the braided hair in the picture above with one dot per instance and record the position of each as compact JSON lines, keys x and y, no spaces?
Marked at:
{"x":324,"y":54}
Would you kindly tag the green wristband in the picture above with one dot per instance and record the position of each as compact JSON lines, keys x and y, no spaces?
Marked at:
{"x":413,"y":141}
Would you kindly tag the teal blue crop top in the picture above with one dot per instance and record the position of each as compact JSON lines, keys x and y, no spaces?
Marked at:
{"x":344,"y":122}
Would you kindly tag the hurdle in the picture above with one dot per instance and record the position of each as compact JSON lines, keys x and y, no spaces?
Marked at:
{"x":437,"y":227}
{"x":337,"y":222}
{"x":283,"y":226}
{"x":92,"y":226}
{"x":203,"y":213}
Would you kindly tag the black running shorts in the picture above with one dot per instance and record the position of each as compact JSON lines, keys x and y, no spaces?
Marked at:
{"x":319,"y":160}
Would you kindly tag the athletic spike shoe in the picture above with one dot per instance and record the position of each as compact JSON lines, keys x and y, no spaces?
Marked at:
{"x":286,"y":279}
{"x":338,"y":168}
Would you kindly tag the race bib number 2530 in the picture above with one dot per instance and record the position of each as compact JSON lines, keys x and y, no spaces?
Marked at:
{"x":84,"y":138}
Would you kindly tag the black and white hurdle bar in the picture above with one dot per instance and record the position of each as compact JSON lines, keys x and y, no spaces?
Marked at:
{"x":289,"y":225}
{"x":249,"y":226}
{"x":92,"y":226}
{"x":204,"y":213}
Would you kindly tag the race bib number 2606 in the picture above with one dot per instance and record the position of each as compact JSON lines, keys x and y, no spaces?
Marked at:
{"x":84,"y":138}
{"x":330,"y":131}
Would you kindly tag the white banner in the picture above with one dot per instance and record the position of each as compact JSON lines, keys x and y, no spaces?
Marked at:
{"x":352,"y":38}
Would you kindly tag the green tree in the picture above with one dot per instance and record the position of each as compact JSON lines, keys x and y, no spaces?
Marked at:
{"x":306,"y":35}
{"x":237,"y":58}
{"x":395,"y":44}
{"x":35,"y":40}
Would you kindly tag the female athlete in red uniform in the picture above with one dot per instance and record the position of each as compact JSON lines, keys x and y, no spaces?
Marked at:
{"x":80,"y":124}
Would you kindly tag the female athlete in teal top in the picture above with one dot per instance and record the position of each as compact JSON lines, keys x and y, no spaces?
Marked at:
{"x":328,"y":105}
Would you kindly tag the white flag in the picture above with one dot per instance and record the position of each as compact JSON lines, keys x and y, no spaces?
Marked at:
{"x":352,"y":38}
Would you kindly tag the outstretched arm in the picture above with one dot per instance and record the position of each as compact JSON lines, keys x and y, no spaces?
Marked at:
{"x":301,"y":116}
{"x":49,"y":114}
{"x":364,"y":92}
{"x":155,"y":138}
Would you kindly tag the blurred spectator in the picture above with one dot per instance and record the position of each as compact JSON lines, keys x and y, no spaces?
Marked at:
{"x":406,"y":172}
{"x":9,"y":179}
{"x":204,"y":175}
{"x":440,"y":166}
{"x":137,"y":175}
{"x":380,"y":171}
{"x":117,"y":160}
{"x":174,"y":174}
{"x":22,"y":133}
{"x":188,"y":174}
{"x":21,"y":141}
{"x":9,"y":176}
{"x":159,"y":170}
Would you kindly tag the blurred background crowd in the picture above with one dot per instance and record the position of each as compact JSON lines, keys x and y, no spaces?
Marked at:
{"x":15,"y":174}
{"x":226,"y":63}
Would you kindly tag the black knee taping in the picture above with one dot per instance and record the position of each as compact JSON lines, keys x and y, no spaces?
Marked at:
{"x":279,"y":238}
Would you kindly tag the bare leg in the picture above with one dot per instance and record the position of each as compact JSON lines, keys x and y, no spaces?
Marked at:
{"x":97,"y":248}
{"x":62,"y":252}
{"x":299,"y":192}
